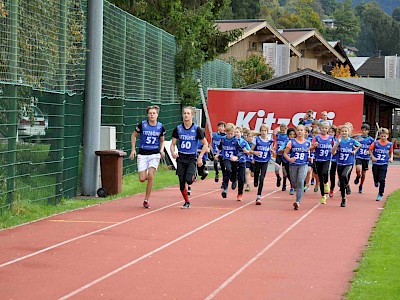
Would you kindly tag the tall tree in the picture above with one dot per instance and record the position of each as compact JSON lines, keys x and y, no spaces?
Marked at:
{"x":378,"y":31}
{"x":347,"y":25}
{"x":245,"y":9}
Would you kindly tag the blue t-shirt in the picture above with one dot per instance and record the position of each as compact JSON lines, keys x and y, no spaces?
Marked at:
{"x":300,"y":151}
{"x":188,"y":139}
{"x":216,"y":140}
{"x":249,"y":157}
{"x":363,"y":152}
{"x":345,"y":149}
{"x":230,"y":147}
{"x":199,"y":147}
{"x":323,"y":151}
{"x":264,"y":147}
{"x":381,"y":153}
{"x":244,"y":145}
{"x":280,"y":140}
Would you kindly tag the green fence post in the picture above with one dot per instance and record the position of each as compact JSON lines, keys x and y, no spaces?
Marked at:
{"x":60,"y":120}
{"x":12,"y":127}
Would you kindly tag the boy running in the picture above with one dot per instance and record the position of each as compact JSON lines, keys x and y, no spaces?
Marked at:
{"x":215,"y":141}
{"x":151,"y":148}
{"x":362,"y":156}
{"x":187,"y":135}
{"x":381,"y":154}
{"x":280,"y":138}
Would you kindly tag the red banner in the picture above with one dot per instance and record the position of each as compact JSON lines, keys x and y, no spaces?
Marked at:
{"x":251,"y":108}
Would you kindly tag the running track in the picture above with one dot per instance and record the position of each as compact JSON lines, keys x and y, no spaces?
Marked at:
{"x":218,"y":249}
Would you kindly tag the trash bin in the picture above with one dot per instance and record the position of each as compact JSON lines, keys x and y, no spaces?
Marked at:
{"x":111,"y":172}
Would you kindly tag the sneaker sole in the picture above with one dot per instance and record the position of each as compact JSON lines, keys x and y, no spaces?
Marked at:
{"x":296,"y":206}
{"x":224,"y":195}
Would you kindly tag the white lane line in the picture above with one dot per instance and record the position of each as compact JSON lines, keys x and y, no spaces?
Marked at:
{"x":92,"y":283}
{"x":96,"y":231}
{"x":269,"y":246}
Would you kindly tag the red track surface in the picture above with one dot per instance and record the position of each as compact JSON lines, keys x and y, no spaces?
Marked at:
{"x":219,"y":248}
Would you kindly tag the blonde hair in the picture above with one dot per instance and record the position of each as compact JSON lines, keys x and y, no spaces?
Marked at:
{"x":264,"y":126}
{"x":156,"y":107}
{"x":230,"y":127}
{"x":191,"y":108}
{"x":283,"y":125}
{"x":325,"y":124}
{"x":384,"y":130}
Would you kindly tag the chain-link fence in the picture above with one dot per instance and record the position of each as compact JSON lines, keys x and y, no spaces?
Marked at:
{"x":42,"y":81}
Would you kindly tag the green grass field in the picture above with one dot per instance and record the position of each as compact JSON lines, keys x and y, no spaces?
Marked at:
{"x":378,"y":276}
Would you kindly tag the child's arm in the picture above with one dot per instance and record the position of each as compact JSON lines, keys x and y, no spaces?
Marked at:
{"x":286,"y":153}
{"x":334,"y":149}
{"x":371,"y":152}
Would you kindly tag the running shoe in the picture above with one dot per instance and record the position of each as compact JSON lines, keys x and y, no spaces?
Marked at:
{"x":146,"y":204}
{"x":234,"y":185}
{"x":216,"y":178}
{"x":343,"y":203}
{"x":323,"y":200}
{"x":224,"y":193}
{"x":316,"y":189}
{"x":376,"y":184}
{"x":278,"y":181}
{"x":312,"y":181}
{"x":189,"y":190}
{"x":306,"y":187}
{"x":331,"y":193}
{"x":379,"y":197}
{"x":357,"y":180}
{"x":296,"y":206}
{"x":348,"y":189}
{"x":326,"y":188}
{"x":283,"y":188}
{"x":204,"y":175}
{"x":186,"y":205}
{"x":360,"y":189}
{"x":239,"y":197}
{"x":247,"y":188}
{"x":291,"y":191}
{"x":258,"y":201}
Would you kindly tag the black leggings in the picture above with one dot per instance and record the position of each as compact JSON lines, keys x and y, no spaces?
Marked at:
{"x":286,"y":166}
{"x":332,"y":174}
{"x":344,"y":177}
{"x":323,"y":174}
{"x":260,"y":170}
{"x":230,"y":173}
{"x":241,"y":176}
{"x":379,"y":173}
{"x":220,"y":161}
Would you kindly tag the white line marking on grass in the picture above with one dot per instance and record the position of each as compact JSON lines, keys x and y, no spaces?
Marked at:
{"x":269,"y":246}
{"x":92,"y":283}
{"x":96,"y":231}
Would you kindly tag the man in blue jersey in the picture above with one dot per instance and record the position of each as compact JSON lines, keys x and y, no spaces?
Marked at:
{"x":186,"y":136}
{"x":151,"y":148}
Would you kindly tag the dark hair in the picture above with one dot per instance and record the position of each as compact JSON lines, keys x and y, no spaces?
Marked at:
{"x":366,"y":126}
{"x":221,"y":123}
{"x":290,"y":130}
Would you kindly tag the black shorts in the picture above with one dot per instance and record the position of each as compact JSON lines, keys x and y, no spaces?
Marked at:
{"x":250,"y":166}
{"x":186,"y":165}
{"x":278,"y":159}
{"x":363,"y":162}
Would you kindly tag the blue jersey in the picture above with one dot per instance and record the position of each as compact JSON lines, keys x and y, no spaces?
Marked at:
{"x":282,"y":148}
{"x":150,"y":136}
{"x":216,"y":140}
{"x":199,"y":147}
{"x":230,"y":147}
{"x":280,"y":140}
{"x":363,"y":152}
{"x":345,"y":149}
{"x":381,"y":153}
{"x":187,"y":139}
{"x":323,"y":151}
{"x":335,"y":156}
{"x":249,"y":157}
{"x":244,"y":145}
{"x":264,"y":147}
{"x":300,"y":151}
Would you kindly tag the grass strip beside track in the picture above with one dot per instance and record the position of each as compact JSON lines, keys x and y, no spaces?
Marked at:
{"x":378,"y":275}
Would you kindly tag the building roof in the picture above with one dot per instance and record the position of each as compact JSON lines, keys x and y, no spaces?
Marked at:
{"x":373,"y":67}
{"x":308,"y":79}
{"x":250,"y":27}
{"x":296,"y":36}
{"x":357,"y":62}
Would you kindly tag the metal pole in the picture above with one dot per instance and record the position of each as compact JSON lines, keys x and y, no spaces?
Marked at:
{"x":92,"y":121}
{"x":12,"y":127}
{"x":203,"y":100}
